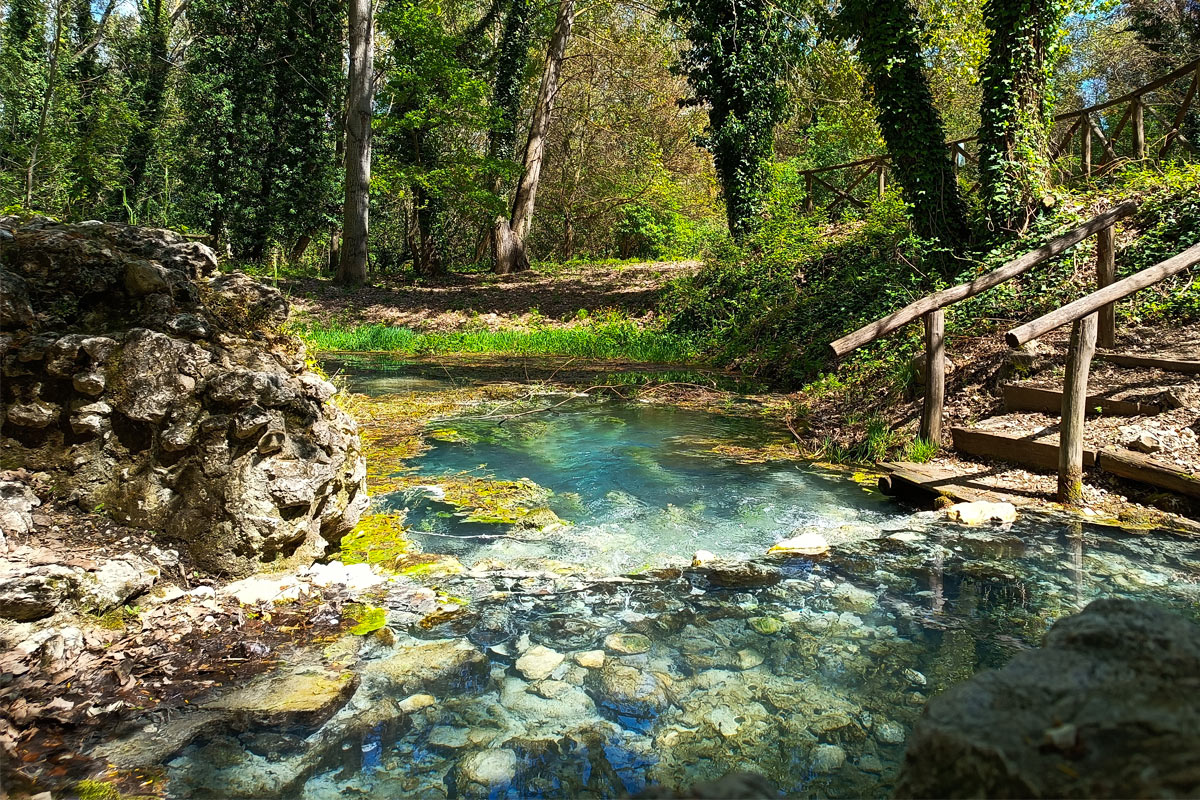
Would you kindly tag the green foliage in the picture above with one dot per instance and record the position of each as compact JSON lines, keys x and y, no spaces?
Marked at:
{"x":735,"y":64}
{"x":649,"y":232}
{"x":607,"y":339}
{"x":921,"y":450}
{"x":262,"y":95}
{"x":1015,"y":114}
{"x":772,"y":304}
{"x":889,"y":45}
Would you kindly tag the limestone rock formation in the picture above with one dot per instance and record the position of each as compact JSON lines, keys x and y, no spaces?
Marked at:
{"x":165,"y":394}
{"x":1108,"y":707}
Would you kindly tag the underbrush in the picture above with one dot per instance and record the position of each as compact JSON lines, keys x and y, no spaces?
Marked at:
{"x":612,"y":339}
{"x":772,"y":305}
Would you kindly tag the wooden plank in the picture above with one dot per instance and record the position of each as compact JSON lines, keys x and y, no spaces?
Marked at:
{"x":882,"y":179}
{"x":1104,"y":142}
{"x":1137,"y":467}
{"x":928,"y":481}
{"x":1155,"y":362}
{"x":1074,"y":401}
{"x":1049,"y":401}
{"x":854,"y":201}
{"x":1021,"y":450}
{"x":935,"y":376}
{"x":913,"y":311}
{"x":1063,"y":143}
{"x":1106,"y":275}
{"x":1088,"y":304}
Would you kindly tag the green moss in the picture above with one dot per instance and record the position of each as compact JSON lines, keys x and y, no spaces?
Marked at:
{"x":366,"y":618}
{"x":378,"y":539}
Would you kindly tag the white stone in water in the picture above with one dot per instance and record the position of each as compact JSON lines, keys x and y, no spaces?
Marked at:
{"x":906,"y":536}
{"x":592,"y":659}
{"x":828,"y":758}
{"x":266,"y":589}
{"x":489,"y":768}
{"x":914,"y":677}
{"x":448,"y":737}
{"x":538,"y":662}
{"x":808,"y":543}
{"x":723,"y":720}
{"x":980,"y":512}
{"x":416,"y":702}
{"x":701,"y":557}
{"x":749,"y":658}
{"x":889,"y":732}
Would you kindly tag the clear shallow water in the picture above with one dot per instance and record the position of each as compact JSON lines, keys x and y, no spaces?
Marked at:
{"x":812,"y":682}
{"x":638,"y":485}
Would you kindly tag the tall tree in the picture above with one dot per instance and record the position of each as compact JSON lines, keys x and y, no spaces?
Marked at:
{"x":23,"y":82}
{"x":1016,"y":110}
{"x":260,"y":100}
{"x":508,"y":236}
{"x":360,"y":103}
{"x":735,"y":65}
{"x":150,"y":70}
{"x":889,"y":47}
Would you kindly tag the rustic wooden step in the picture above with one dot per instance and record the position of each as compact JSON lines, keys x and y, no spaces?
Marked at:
{"x":1137,"y":467}
{"x":927,"y":481}
{"x":1049,"y":401}
{"x":1021,"y":450}
{"x":1168,"y":363}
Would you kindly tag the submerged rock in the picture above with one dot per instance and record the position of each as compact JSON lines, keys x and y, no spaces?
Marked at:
{"x":1108,"y":707}
{"x":627,"y":644}
{"x":809,"y":543}
{"x":538,"y":662}
{"x":828,"y":758}
{"x":487,"y":772}
{"x":978,"y":513}
{"x":437,"y":666}
{"x":631,"y":691}
{"x":296,"y":696}
{"x":738,"y":574}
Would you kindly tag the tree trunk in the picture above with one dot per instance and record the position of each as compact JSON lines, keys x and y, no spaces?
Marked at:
{"x":352,"y":268}
{"x":509,"y":234}
{"x":1014,"y":130}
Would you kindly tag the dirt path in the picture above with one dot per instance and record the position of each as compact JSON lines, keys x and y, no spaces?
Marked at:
{"x":493,"y":302}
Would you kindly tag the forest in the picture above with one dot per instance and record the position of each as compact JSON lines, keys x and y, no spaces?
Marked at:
{"x":599,"y":398}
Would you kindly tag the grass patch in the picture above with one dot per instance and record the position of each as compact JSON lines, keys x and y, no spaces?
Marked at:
{"x":621,"y":340}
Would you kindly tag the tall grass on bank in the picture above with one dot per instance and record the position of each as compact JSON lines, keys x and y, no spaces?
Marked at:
{"x":621,"y":340}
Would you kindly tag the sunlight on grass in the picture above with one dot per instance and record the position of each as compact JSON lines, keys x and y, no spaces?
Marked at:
{"x":609,"y":340}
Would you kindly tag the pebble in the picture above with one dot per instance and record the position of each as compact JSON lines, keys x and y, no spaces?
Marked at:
{"x":749,"y":658}
{"x":889,"y":732}
{"x":828,"y":758}
{"x":416,"y":702}
{"x":592,"y":659}
{"x":627,"y":644}
{"x":538,"y":662}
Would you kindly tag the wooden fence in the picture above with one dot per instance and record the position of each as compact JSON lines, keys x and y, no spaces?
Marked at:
{"x":1144,"y":123}
{"x":930,"y":307}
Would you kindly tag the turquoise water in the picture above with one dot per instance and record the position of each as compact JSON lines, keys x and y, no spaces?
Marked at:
{"x":812,"y":681}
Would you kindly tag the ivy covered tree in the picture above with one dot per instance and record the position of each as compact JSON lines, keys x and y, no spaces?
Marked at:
{"x":1015,"y":113}
{"x":889,"y":48}
{"x":261,"y":98}
{"x":735,"y":64}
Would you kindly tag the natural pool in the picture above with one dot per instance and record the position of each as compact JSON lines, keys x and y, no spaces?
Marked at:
{"x":571,"y":681}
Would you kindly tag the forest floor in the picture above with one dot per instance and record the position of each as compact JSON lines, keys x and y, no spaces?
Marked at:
{"x":546,"y":297}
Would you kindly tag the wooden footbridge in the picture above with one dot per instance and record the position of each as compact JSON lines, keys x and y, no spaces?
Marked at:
{"x":1093,"y":323}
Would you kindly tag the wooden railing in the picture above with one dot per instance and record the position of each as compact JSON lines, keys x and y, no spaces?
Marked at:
{"x":1086,"y":315}
{"x":1088,"y":125}
{"x":930,"y":307}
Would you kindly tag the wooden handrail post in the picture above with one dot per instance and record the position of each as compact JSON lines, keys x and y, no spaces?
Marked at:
{"x":1085,"y":148}
{"x":1139,"y":129}
{"x":882,"y":179}
{"x":935,"y":376}
{"x":1074,"y":402}
{"x":1106,"y":274}
{"x":809,"y":205}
